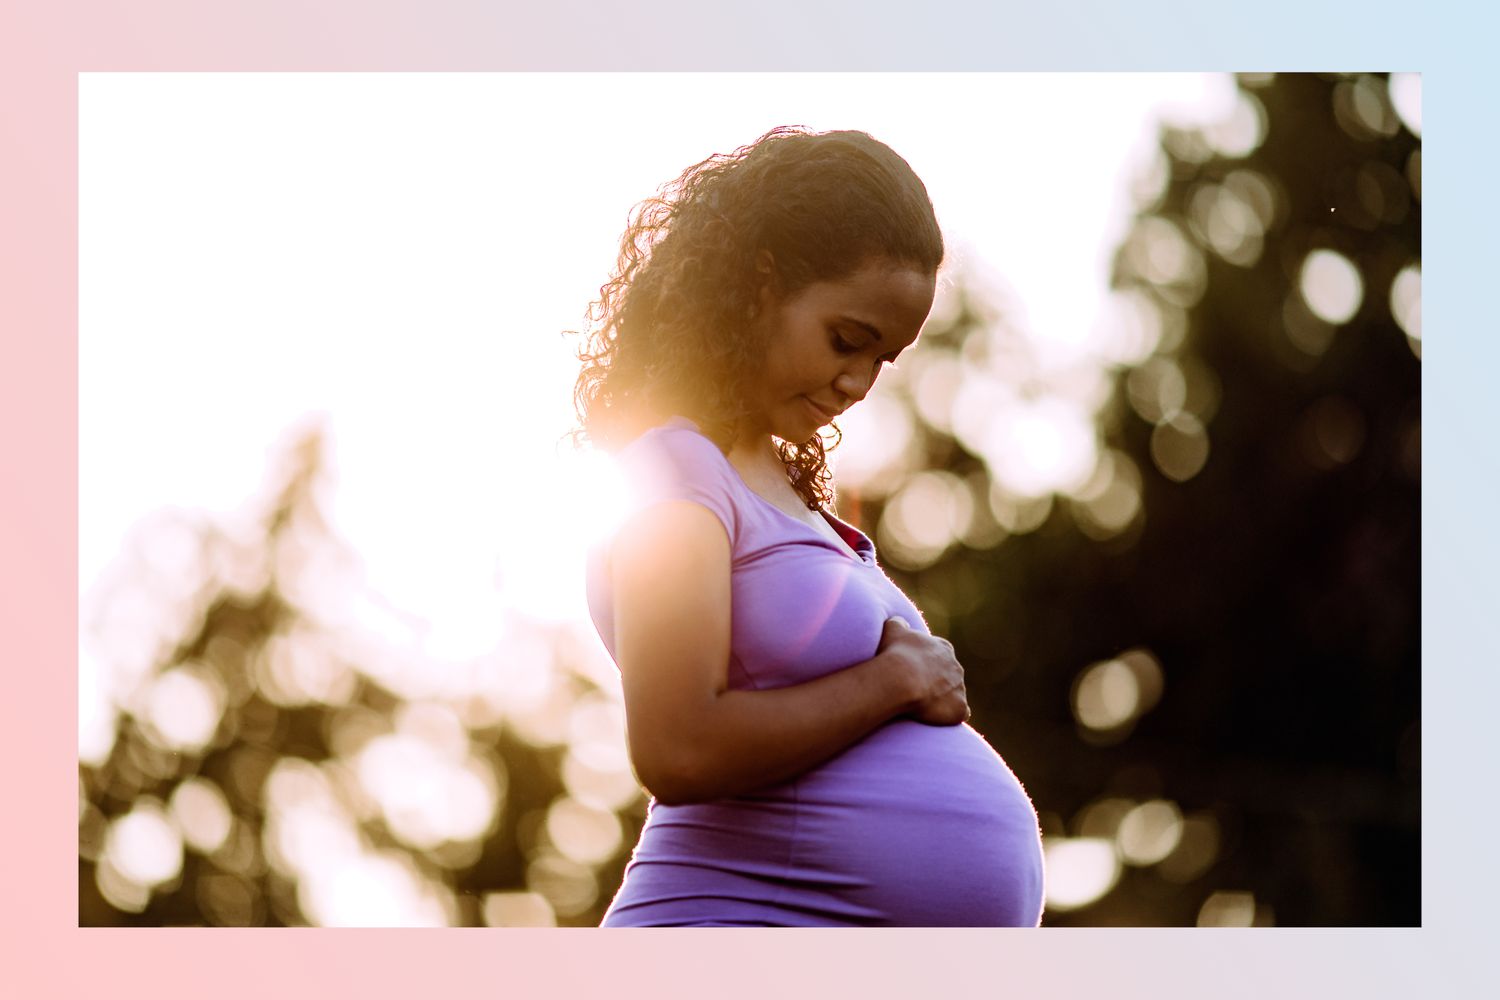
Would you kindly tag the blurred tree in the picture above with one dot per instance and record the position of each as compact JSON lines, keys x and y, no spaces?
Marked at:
{"x":1222,"y":618}
{"x":273,"y":764}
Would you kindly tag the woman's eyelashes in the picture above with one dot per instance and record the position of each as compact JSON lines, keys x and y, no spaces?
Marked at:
{"x":844,"y":345}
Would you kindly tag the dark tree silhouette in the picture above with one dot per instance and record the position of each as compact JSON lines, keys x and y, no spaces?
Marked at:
{"x":1271,"y":572}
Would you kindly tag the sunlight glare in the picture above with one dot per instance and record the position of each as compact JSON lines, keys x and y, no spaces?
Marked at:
{"x":1406,"y":304}
{"x":985,"y":403}
{"x":1080,"y":870}
{"x":936,"y":387}
{"x":1203,"y":388}
{"x":1018,"y":514}
{"x":305,"y":825}
{"x":1130,"y":327}
{"x":596,"y":732}
{"x":298,"y":667}
{"x":568,"y":886}
{"x":1044,"y":446}
{"x":183,"y":708}
{"x":1309,"y":334}
{"x":1111,"y":500}
{"x":515,"y":679}
{"x":1228,"y":909}
{"x":427,"y":794}
{"x":921,"y":521}
{"x":594,"y":478}
{"x":547,"y":533}
{"x":371,"y":890}
{"x":518,"y":909}
{"x":1157,"y":389}
{"x":546,"y":720}
{"x":1362,"y":107}
{"x":202,"y":814}
{"x":1149,"y":832}
{"x":302,"y":838}
{"x":122,"y":893}
{"x":1227,"y":224}
{"x":876,"y":452}
{"x":1331,"y":286}
{"x":1242,"y":130}
{"x":1406,"y":97}
{"x":1179,"y":447}
{"x":143,"y":846}
{"x":96,"y":713}
{"x":1106,"y":696}
{"x":1255,"y":190}
{"x":582,"y":833}
{"x":1158,"y":251}
{"x":595,"y":783}
{"x":1111,"y":694}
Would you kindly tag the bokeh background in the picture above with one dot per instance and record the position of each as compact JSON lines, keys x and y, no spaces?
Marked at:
{"x":1154,"y":467}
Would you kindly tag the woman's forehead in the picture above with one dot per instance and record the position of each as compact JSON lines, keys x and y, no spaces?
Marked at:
{"x":890,"y":301}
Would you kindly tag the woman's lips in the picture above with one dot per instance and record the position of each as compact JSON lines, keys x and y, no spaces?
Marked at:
{"x":823,"y":415}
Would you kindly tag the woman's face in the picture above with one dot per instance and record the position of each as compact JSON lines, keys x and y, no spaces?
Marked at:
{"x":826,"y":344}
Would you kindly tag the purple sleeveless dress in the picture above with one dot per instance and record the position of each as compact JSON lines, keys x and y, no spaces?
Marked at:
{"x":913,"y":826}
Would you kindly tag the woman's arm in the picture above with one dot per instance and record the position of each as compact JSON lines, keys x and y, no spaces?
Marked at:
{"x":691,"y":737}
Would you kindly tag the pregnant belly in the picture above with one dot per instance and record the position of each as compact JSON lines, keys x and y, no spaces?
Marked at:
{"x":925,"y":826}
{"x":913,"y":826}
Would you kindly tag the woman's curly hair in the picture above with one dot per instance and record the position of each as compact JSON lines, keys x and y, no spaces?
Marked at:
{"x":670,"y":333}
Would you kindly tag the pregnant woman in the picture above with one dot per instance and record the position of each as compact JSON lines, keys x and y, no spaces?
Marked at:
{"x":802,"y":734}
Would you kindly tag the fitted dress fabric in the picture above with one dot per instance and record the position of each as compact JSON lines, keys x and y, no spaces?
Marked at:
{"x":913,"y":826}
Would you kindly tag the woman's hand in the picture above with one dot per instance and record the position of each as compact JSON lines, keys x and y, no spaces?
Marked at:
{"x":928,"y":664}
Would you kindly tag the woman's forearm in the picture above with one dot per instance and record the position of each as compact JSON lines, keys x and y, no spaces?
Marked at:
{"x":692,"y":737}
{"x":746,"y":739}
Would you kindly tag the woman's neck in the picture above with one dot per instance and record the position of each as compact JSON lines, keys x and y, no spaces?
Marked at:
{"x":764,"y":472}
{"x":757,"y":454}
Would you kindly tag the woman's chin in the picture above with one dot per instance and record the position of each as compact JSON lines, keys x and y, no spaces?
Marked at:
{"x":799,"y":433}
{"x":797,"y":423}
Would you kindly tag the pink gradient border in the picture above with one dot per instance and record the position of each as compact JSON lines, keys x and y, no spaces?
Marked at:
{"x":43,"y":46}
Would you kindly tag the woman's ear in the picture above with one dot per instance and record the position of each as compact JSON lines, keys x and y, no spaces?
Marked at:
{"x":765,"y":264}
{"x":768,"y":288}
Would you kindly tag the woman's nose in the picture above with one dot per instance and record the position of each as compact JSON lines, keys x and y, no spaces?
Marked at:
{"x":855,"y":385}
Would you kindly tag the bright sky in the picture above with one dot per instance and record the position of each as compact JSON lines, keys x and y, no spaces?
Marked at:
{"x":400,"y":251}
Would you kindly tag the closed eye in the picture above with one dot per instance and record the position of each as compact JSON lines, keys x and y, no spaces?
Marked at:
{"x":843,"y":345}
